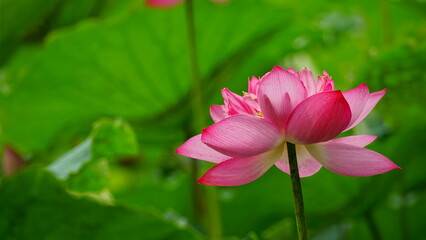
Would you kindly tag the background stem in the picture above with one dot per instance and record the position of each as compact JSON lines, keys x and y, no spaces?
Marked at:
{"x":206,"y":207}
{"x":297,"y":193}
{"x":386,"y":22}
{"x":372,"y":225}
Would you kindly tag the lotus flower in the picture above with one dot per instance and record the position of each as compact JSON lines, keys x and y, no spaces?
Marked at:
{"x":171,"y":3}
{"x":250,"y":131}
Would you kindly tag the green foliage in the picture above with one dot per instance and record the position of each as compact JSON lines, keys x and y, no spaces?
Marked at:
{"x":44,"y":210}
{"x":120,"y":78}
{"x":14,"y":29}
{"x":86,"y":167}
{"x":112,"y":138}
{"x":73,"y":160}
{"x":66,"y":64}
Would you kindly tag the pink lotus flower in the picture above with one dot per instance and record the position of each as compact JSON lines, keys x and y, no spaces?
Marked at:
{"x":171,"y":3}
{"x":250,"y":132}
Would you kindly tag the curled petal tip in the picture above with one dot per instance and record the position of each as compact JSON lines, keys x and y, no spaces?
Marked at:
{"x":276,"y":67}
{"x":195,"y":148}
{"x":162,"y":3}
{"x":381,"y":92}
{"x":397,"y":167}
{"x":203,"y":134}
{"x":180,"y":150}
{"x":394,"y":167}
{"x":203,"y":181}
{"x":364,"y":86}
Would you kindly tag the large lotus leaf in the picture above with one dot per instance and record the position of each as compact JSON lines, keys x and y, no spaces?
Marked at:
{"x":34,"y":205}
{"x":129,"y":68}
{"x":19,"y":17}
{"x":135,"y":67}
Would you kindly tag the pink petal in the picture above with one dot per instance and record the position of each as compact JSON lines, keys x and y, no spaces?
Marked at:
{"x":319,"y":118}
{"x":350,"y":160}
{"x":251,"y":102}
{"x":235,"y":103}
{"x":308,"y":80}
{"x":359,"y":140}
{"x":194,"y":148}
{"x":294,"y":72}
{"x":357,"y":99}
{"x":163,"y":3}
{"x":305,"y":162}
{"x":325,"y":83}
{"x":373,"y":99}
{"x":272,"y":92}
{"x":217,"y":113}
{"x":242,"y":136}
{"x":253,"y":85}
{"x":278,"y":116}
{"x":239,"y":171}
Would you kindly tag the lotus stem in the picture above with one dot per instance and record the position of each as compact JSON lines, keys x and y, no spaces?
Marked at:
{"x":299,"y":210}
{"x":206,"y":207}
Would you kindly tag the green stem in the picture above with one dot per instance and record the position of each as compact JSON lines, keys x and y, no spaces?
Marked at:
{"x":299,"y":210}
{"x":372,"y":225}
{"x":205,"y":200}
{"x":404,"y":217}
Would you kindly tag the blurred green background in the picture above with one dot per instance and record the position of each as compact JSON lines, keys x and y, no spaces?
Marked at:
{"x":95,"y":96}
